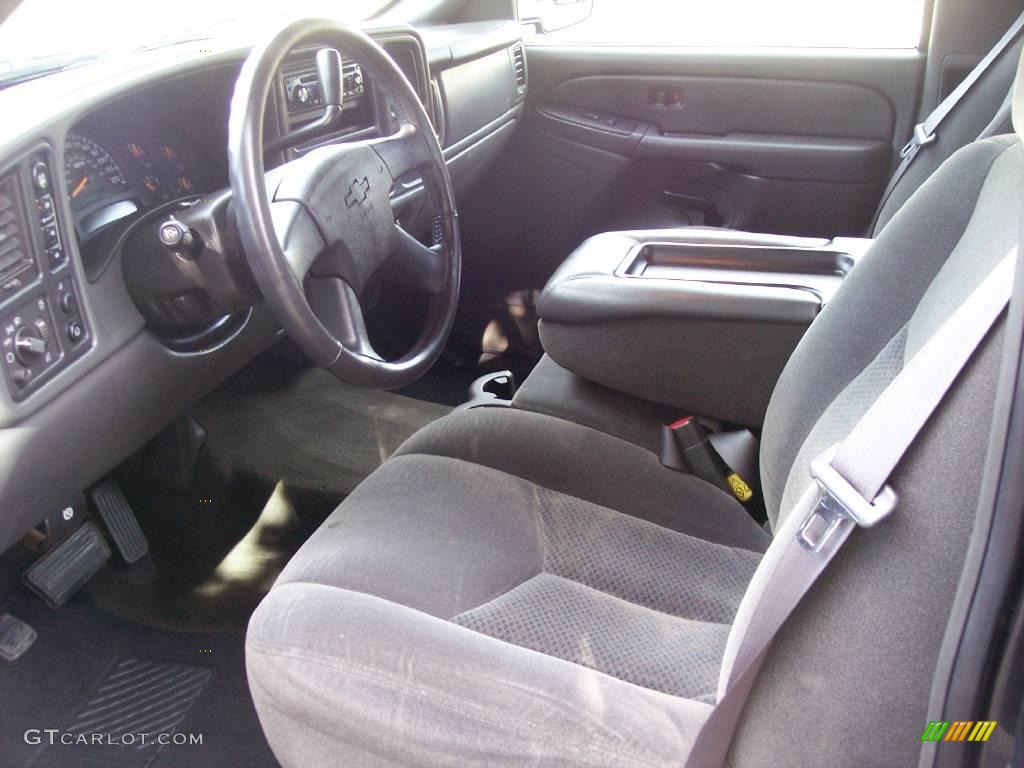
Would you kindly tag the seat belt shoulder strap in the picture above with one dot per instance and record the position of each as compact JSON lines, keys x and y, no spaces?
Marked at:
{"x":926,"y":132}
{"x":849,"y":491}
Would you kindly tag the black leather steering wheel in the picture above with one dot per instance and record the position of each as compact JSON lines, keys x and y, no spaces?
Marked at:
{"x":317,"y":229}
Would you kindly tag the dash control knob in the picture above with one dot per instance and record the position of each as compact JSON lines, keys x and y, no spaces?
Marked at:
{"x":75,"y":331}
{"x":40,"y":177}
{"x":67,"y":303}
{"x":28,"y":345}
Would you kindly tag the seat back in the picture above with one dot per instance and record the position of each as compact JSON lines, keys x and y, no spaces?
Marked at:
{"x":983,"y":112}
{"x":858,"y":655}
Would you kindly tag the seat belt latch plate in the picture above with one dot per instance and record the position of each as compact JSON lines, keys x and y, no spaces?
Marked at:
{"x":838,"y":503}
{"x":922,"y":138}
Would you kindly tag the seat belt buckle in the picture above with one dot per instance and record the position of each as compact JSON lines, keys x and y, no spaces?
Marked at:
{"x":840,"y":504}
{"x":685,"y":447}
{"x":922,"y":138}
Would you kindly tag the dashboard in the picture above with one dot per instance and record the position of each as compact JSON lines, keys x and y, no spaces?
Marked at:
{"x":93,"y":159}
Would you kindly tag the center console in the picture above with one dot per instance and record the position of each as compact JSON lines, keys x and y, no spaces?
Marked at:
{"x":701,"y":320}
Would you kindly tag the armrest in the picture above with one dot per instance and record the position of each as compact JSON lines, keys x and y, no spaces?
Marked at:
{"x":703,"y":320}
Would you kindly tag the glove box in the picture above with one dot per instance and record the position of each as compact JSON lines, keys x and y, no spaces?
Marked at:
{"x":700,"y":320}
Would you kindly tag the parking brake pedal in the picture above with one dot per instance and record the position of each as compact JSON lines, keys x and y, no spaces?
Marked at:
{"x":62,"y":571}
{"x":117,"y":515}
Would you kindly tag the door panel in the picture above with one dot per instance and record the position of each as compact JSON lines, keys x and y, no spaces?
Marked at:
{"x":723,"y":105}
{"x":793,"y":142}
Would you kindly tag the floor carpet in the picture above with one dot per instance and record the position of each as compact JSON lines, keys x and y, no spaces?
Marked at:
{"x":283,"y":447}
{"x":77,"y":645}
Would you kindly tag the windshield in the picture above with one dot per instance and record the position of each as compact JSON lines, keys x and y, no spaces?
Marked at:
{"x":43,"y":34}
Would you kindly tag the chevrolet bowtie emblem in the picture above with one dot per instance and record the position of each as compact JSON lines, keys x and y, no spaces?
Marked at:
{"x":357,"y":192}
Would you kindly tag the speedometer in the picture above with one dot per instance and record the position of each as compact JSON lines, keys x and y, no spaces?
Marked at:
{"x":93,"y":175}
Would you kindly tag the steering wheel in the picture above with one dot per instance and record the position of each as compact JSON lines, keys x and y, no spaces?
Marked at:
{"x":317,"y":229}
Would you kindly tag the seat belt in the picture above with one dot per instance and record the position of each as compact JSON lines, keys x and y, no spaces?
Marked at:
{"x":850,"y":490}
{"x":925,"y":133}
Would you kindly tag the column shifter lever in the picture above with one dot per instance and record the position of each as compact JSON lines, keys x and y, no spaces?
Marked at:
{"x":328,"y":71}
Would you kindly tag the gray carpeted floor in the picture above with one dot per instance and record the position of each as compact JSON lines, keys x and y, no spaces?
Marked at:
{"x":284,"y":446}
{"x":307,"y":427}
{"x":76,"y":647}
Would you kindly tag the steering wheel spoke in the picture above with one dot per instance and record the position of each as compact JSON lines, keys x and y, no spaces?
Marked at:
{"x":339,"y":309}
{"x":416,"y":265}
{"x":298,"y":235}
{"x":403,"y":152}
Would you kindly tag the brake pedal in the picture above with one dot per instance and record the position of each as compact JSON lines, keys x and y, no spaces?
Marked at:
{"x":16,"y":637}
{"x":62,"y":571}
{"x":120,"y":520}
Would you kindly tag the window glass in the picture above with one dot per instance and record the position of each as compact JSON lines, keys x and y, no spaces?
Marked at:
{"x":801,"y":23}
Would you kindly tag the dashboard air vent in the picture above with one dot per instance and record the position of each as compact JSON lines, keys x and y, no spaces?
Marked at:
{"x":13,"y":246}
{"x":519,"y":64}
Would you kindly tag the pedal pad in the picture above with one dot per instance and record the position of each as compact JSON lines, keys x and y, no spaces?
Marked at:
{"x":16,"y":637}
{"x":117,"y":515}
{"x":62,"y":571}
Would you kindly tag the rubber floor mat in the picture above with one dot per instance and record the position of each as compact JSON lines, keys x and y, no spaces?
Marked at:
{"x":129,"y":718}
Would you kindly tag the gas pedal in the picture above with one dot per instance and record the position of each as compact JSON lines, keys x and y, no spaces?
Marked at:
{"x":16,"y":637}
{"x":62,"y":571}
{"x":120,"y":520}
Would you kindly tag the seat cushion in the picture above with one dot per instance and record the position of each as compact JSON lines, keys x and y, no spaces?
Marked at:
{"x":498,"y":577}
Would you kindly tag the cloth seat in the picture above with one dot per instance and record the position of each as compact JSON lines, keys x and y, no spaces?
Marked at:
{"x":540,"y":582}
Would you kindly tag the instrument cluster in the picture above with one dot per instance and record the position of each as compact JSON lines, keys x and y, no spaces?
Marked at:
{"x":112,"y":176}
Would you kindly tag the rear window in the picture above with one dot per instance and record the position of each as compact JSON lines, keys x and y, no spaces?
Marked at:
{"x":730,"y":23}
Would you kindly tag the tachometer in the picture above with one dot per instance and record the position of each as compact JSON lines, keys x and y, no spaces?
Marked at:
{"x":92,"y":173}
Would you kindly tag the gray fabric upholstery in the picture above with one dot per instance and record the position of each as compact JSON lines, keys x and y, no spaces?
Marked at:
{"x":841,"y":417}
{"x":976,"y":116}
{"x":650,"y":649}
{"x":854,"y":664}
{"x":552,"y":390}
{"x":343,"y":678}
{"x":621,"y":600}
{"x":877,"y":300}
{"x":592,"y":466}
{"x":623,"y":596}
